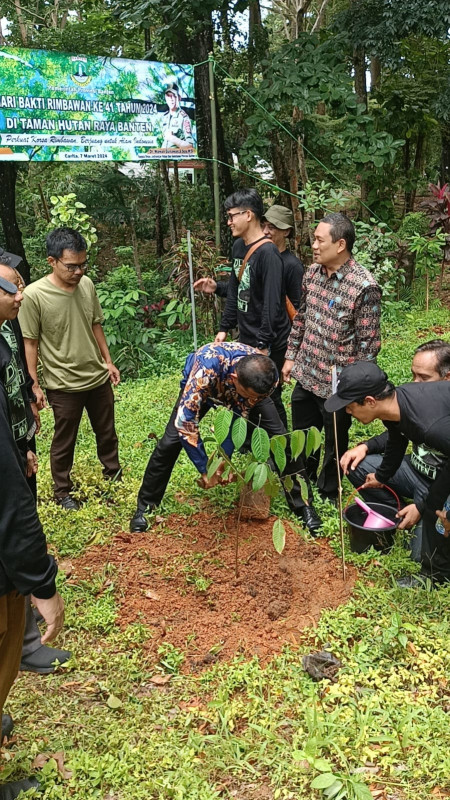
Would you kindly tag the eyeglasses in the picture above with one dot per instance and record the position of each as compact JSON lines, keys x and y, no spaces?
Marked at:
{"x":233,"y":214}
{"x":74,"y":267}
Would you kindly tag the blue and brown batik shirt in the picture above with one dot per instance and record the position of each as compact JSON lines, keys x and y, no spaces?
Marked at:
{"x":207,"y":382}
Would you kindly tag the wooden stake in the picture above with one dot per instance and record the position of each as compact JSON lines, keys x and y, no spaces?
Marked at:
{"x":341,"y":520}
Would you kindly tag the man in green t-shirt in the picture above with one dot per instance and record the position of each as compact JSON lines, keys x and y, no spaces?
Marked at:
{"x":61,"y":320}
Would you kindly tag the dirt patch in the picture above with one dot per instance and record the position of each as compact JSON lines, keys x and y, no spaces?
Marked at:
{"x":179,"y":579}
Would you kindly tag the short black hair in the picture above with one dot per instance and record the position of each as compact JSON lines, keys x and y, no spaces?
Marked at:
{"x":341,"y":227}
{"x":257,"y":372}
{"x":248,"y":199}
{"x":442,"y":350}
{"x":388,"y":391}
{"x":61,"y":239}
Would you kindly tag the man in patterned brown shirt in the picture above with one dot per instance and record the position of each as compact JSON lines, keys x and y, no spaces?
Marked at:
{"x":338,"y":322}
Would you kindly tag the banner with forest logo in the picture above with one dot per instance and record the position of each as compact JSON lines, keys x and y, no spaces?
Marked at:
{"x":63,"y":107}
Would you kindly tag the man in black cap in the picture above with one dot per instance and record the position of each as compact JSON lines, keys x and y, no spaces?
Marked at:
{"x":177,"y":125}
{"x":418,"y":470}
{"x":416,"y":412}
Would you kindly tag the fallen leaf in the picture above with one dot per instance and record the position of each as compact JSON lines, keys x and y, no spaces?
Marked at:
{"x":66,"y":566}
{"x":113,"y":702}
{"x":411,"y":648}
{"x":151,"y":595}
{"x":159,"y":520}
{"x":152,"y":436}
{"x":66,"y":774}
{"x":160,"y":680}
{"x":42,"y":759}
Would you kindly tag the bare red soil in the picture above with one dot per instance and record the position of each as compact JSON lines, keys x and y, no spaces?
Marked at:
{"x":179,"y":580}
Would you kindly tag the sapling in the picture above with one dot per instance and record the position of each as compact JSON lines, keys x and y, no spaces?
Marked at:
{"x":257,"y":471}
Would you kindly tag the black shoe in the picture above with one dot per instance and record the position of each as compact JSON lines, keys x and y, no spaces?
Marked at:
{"x":7,"y":727}
{"x":43,"y":660}
{"x":138,"y":522}
{"x":419,"y":581}
{"x":311,"y":519}
{"x":68,"y":503}
{"x":9,"y":791}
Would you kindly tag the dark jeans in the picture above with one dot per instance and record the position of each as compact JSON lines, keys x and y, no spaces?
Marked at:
{"x":278,"y":357}
{"x":406,"y":482}
{"x":68,"y":409}
{"x":308,"y":410}
{"x":166,"y":452}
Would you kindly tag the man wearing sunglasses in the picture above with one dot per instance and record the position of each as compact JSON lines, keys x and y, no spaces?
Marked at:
{"x":61,"y":321}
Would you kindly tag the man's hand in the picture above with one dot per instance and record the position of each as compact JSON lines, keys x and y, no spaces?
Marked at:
{"x":216,"y":479}
{"x":409,"y":515}
{"x":371,"y":482}
{"x":114,"y":374}
{"x":220,"y":337}
{"x":264,"y":352}
{"x":443,"y":517}
{"x":53,"y":612}
{"x":40,"y":397}
{"x":205,"y":285}
{"x":36,"y":417}
{"x":286,"y":371}
{"x":353,"y":457}
{"x":32,"y":464}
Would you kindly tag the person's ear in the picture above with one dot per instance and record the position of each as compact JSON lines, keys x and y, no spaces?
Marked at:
{"x":369,"y":401}
{"x":51,"y":261}
{"x":342,"y":245}
{"x":446,"y":377}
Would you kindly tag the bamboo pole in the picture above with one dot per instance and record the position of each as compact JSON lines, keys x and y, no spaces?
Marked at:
{"x":215,"y":164}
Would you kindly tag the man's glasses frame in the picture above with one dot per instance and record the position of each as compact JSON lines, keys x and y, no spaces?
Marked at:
{"x":230,"y":216}
{"x":74,"y":267}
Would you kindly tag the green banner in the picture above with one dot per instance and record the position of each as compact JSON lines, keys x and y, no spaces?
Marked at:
{"x":63,"y":107}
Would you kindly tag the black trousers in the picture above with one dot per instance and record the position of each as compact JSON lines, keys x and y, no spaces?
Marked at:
{"x":278,"y":357}
{"x":166,"y":452}
{"x":308,"y":410}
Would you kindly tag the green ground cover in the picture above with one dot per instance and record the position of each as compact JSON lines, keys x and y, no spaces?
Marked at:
{"x":238,"y":730}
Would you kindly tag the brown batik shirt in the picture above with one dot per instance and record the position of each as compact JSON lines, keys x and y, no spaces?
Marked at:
{"x":338,"y":322}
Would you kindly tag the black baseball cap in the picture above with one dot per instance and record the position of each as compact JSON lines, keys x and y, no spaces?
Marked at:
{"x":356,"y":382}
{"x":10,"y":259}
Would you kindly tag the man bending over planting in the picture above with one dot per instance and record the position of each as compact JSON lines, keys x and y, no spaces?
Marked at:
{"x":233,"y":375}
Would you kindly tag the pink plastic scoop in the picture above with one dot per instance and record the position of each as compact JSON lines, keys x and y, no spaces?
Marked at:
{"x":373,"y":520}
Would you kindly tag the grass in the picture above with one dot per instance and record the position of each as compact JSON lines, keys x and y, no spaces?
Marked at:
{"x":239,"y":730}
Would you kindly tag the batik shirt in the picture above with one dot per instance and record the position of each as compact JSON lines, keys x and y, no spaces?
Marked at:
{"x":338,"y":322}
{"x":207,"y":382}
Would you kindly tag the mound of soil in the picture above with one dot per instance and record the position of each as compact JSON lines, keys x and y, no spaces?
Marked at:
{"x":179,"y":579}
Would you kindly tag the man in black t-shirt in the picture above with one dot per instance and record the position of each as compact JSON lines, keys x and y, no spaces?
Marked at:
{"x":277,"y":225}
{"x":416,"y":412}
{"x":431,"y":362}
{"x":256,"y":295}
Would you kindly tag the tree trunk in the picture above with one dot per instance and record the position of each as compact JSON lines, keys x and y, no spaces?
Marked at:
{"x":136,"y":262}
{"x":202,"y":93}
{"x":177,"y":198}
{"x":169,"y":200}
{"x":11,"y":231}
{"x":159,"y":236}
{"x":410,"y":196}
{"x":375,"y":74}
{"x":359,"y":65}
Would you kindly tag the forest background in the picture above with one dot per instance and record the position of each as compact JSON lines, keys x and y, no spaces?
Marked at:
{"x":321,"y":105}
